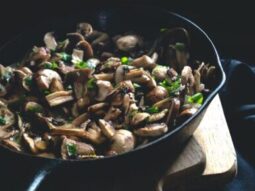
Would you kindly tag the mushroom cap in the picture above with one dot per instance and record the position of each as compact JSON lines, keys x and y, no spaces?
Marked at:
{"x":44,"y":78}
{"x":128,"y":43}
{"x":156,"y":94}
{"x":104,"y":89}
{"x":85,"y":29}
{"x":123,"y":141}
{"x":152,"y":130}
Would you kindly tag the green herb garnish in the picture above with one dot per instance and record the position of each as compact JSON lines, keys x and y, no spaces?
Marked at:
{"x":71,"y":149}
{"x":65,"y":57}
{"x":152,"y":109}
{"x":136,"y":86}
{"x":197,"y":98}
{"x":172,"y":87}
{"x":163,"y":29}
{"x":81,"y":65}
{"x":91,"y":83}
{"x":51,"y":66}
{"x":2,"y":120}
{"x":36,"y":109}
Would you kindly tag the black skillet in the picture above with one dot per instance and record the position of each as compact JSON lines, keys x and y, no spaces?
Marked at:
{"x":100,"y":174}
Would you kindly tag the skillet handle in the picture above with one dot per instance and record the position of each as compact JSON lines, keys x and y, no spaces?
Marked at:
{"x":41,"y":174}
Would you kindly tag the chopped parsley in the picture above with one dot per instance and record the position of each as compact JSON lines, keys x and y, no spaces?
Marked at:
{"x":152,"y":109}
{"x":91,"y":83}
{"x":65,"y":57}
{"x":173,"y":87}
{"x":2,"y":120}
{"x":71,"y":149}
{"x":51,"y":65}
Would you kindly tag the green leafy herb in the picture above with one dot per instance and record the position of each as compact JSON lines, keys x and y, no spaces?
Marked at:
{"x":91,"y":84}
{"x":173,"y":87}
{"x":51,"y":66}
{"x":180,"y":46}
{"x":152,"y":109}
{"x":81,"y":65}
{"x":71,"y":149}
{"x":197,"y":98}
{"x":65,"y":57}
{"x":2,"y":120}
{"x":29,"y":81}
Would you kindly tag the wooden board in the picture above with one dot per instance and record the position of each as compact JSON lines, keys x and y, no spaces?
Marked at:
{"x":211,"y":147}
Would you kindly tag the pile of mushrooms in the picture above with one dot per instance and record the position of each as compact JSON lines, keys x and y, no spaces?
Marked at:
{"x":92,"y":95}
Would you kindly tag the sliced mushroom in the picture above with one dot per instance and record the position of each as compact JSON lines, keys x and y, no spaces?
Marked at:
{"x":120,"y":73}
{"x":87,"y":49}
{"x":107,"y":129}
{"x":7,"y":118}
{"x":163,"y":104}
{"x":7,"y":133}
{"x":134,"y":73}
{"x":187,"y":79}
{"x":123,"y":141}
{"x":156,"y":94}
{"x":85,"y":29}
{"x":173,"y":111}
{"x":74,"y":38}
{"x":198,"y":86}
{"x":77,"y":55}
{"x":95,"y":134}
{"x":30,"y":143}
{"x":160,"y":72}
{"x":39,"y":54}
{"x":72,"y":149}
{"x":128,"y":43}
{"x":11,"y":144}
{"x":40,"y":144}
{"x":111,"y":64}
{"x":44,"y":78}
{"x":50,"y":41}
{"x":145,"y":62}
{"x":157,"y":116}
{"x":59,"y":98}
{"x":112,"y":114}
{"x":56,"y":85}
{"x":98,"y":106}
{"x":104,"y":89}
{"x":139,"y":118}
{"x":80,"y":119}
{"x":188,"y":112}
{"x":152,"y":130}
{"x":104,"y":76}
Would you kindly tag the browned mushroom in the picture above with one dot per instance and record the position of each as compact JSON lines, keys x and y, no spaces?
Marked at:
{"x":11,"y":144}
{"x":33,"y":107}
{"x":59,"y":98}
{"x":44,"y":78}
{"x":128,"y":43}
{"x":157,"y":116}
{"x":80,"y":119}
{"x":157,"y":94}
{"x":187,"y":79}
{"x":104,"y":89}
{"x":56,"y":85}
{"x":87,"y":49}
{"x":160,"y":72}
{"x":107,"y":129}
{"x":39,"y":54}
{"x":139,"y":118}
{"x":145,"y":62}
{"x":85,"y":29}
{"x":111,"y":64}
{"x":73,"y":149}
{"x":104,"y":76}
{"x":173,"y":111}
{"x":123,"y":141}
{"x":112,"y":114}
{"x":30,"y":143}
{"x":152,"y":130}
{"x":50,"y":41}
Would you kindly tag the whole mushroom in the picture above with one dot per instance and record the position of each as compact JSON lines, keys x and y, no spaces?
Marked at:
{"x":157,"y":94}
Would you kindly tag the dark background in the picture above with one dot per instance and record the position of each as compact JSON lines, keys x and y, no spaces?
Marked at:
{"x":228,"y":23}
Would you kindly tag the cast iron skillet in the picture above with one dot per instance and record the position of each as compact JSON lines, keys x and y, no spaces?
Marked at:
{"x":147,"y":21}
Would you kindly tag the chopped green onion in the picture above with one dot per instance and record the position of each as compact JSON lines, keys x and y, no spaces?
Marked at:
{"x":51,"y":66}
{"x":197,"y":98}
{"x":173,"y":87}
{"x":152,"y":109}
{"x":83,"y":64}
{"x":125,"y":60}
{"x":71,"y":149}
{"x":2,"y":120}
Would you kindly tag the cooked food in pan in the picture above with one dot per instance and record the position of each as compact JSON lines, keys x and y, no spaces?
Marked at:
{"x":93,"y":94}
